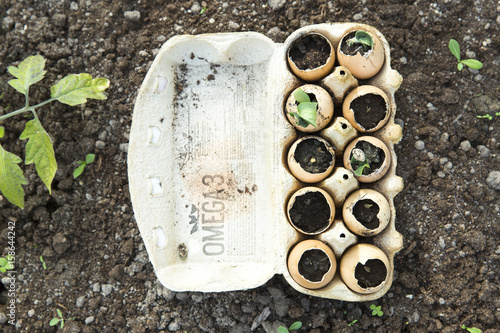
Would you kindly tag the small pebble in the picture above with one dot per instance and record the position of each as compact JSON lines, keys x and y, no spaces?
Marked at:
{"x":465,"y":145}
{"x":132,"y":15}
{"x":483,"y":151}
{"x":80,"y":301}
{"x":211,"y":21}
{"x":100,"y":144}
{"x":31,"y":313}
{"x":106,"y":289}
{"x":73,"y":6}
{"x":419,"y":145}
{"x":89,"y":320}
{"x":448,"y":165}
{"x":445,"y":136}
{"x":493,"y":180}
{"x":357,"y":17}
{"x":441,"y":174}
{"x":442,"y":301}
{"x":3,"y":318}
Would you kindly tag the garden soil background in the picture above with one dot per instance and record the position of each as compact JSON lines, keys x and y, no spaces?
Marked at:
{"x":98,"y":270}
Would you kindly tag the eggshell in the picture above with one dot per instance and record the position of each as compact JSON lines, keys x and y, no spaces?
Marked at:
{"x":324,"y":111}
{"x":297,"y":253}
{"x":303,"y":191}
{"x":363,"y":66}
{"x":313,"y":74}
{"x":361,"y":254}
{"x":376,"y":174}
{"x":350,"y":114}
{"x":297,"y":170}
{"x":357,"y":227}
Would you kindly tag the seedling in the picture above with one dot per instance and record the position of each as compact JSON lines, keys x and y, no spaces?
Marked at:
{"x":455,"y":50}
{"x":82,"y":164}
{"x":363,"y":38}
{"x":43,"y":262}
{"x":352,"y":322}
{"x":72,"y":89}
{"x":471,"y":329}
{"x":376,"y":310}
{"x":362,"y":158}
{"x":295,"y":326}
{"x":203,"y":10}
{"x":489,"y":116}
{"x":60,"y":320}
{"x":6,"y":264}
{"x":306,"y":110}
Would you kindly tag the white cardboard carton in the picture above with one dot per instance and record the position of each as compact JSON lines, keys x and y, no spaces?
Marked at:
{"x":207,"y":166}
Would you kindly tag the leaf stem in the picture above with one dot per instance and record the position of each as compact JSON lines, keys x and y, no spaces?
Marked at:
{"x":25,"y":109}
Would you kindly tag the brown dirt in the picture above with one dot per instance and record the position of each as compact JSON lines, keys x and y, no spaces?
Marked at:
{"x":97,"y":267}
{"x":310,"y":212}
{"x":310,"y":51}
{"x":369,"y":110}
{"x":313,"y":156}
{"x":314,"y":264}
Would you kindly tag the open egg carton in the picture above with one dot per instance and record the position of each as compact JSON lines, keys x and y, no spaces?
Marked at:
{"x":210,"y":170}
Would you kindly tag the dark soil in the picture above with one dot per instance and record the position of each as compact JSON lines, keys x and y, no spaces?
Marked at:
{"x":310,"y":51}
{"x":365,"y":211}
{"x":313,"y":156}
{"x":351,"y":49}
{"x":448,"y":213}
{"x":371,"y":274}
{"x":369,"y":110}
{"x":314,"y":264}
{"x":310,"y":212}
{"x":373,"y":153}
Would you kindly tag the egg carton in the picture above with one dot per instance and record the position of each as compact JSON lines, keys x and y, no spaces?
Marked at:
{"x":207,"y":165}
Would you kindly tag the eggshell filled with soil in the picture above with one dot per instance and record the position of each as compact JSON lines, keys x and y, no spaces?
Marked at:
{"x":367,"y":108}
{"x":311,"y":159}
{"x":373,"y":149}
{"x":324,"y":110}
{"x":366,"y":212}
{"x":311,"y":210}
{"x":312,"y":264}
{"x":362,"y":64}
{"x":311,"y":56}
{"x":364,"y":268}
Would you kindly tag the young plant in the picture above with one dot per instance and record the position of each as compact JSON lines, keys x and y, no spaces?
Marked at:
{"x":60,"y":320}
{"x":471,"y":329}
{"x":376,"y":310}
{"x":352,"y":322}
{"x":6,"y":264}
{"x":82,"y":164}
{"x":43,"y":263}
{"x":362,"y":158}
{"x":295,"y":326}
{"x":306,"y":110}
{"x":489,"y":116}
{"x":455,"y":50}
{"x":72,"y":89}
{"x":363,"y":38}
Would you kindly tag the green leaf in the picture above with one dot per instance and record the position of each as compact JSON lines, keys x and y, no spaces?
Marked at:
{"x":78,"y":171}
{"x":474,"y":330}
{"x":307,"y":111}
{"x":454,"y":48}
{"x":2,"y":131}
{"x":372,"y":307}
{"x":11,"y":178}
{"x":54,"y":321}
{"x":460,"y":66}
{"x":472,"y":63}
{"x":364,"y":38}
{"x":89,"y":158}
{"x":359,"y":172}
{"x":59,"y":313}
{"x":74,"y":89}
{"x":3,"y":269}
{"x":295,"y":326}
{"x":301,"y":96}
{"x":282,"y":329}
{"x":29,"y":71}
{"x":3,"y":262}
{"x":39,"y":150}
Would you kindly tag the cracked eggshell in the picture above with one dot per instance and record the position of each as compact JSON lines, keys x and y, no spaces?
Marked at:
{"x":324,"y":111}
{"x":357,"y":227}
{"x":376,"y":174}
{"x":303,"y":191}
{"x":361,"y":254}
{"x":297,"y":170}
{"x":350,"y":114}
{"x":362,"y":66}
{"x":294,"y":259}
{"x":313,"y":74}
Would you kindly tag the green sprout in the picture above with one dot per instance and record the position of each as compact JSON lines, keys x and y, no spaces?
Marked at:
{"x":43,"y":262}
{"x":295,"y":326}
{"x":363,"y":158}
{"x":455,"y":50}
{"x":72,"y":90}
{"x":352,"y":322}
{"x":203,"y":10}
{"x":6,"y":264}
{"x":489,"y":116}
{"x":363,"y":38}
{"x":82,"y":164}
{"x":471,"y":329}
{"x":376,"y":310}
{"x":60,"y":320}
{"x":306,"y":110}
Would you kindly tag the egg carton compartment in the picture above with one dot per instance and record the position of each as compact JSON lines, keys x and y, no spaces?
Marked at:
{"x":207,"y":162}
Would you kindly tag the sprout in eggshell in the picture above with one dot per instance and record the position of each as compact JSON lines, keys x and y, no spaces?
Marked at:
{"x":311,"y":159}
